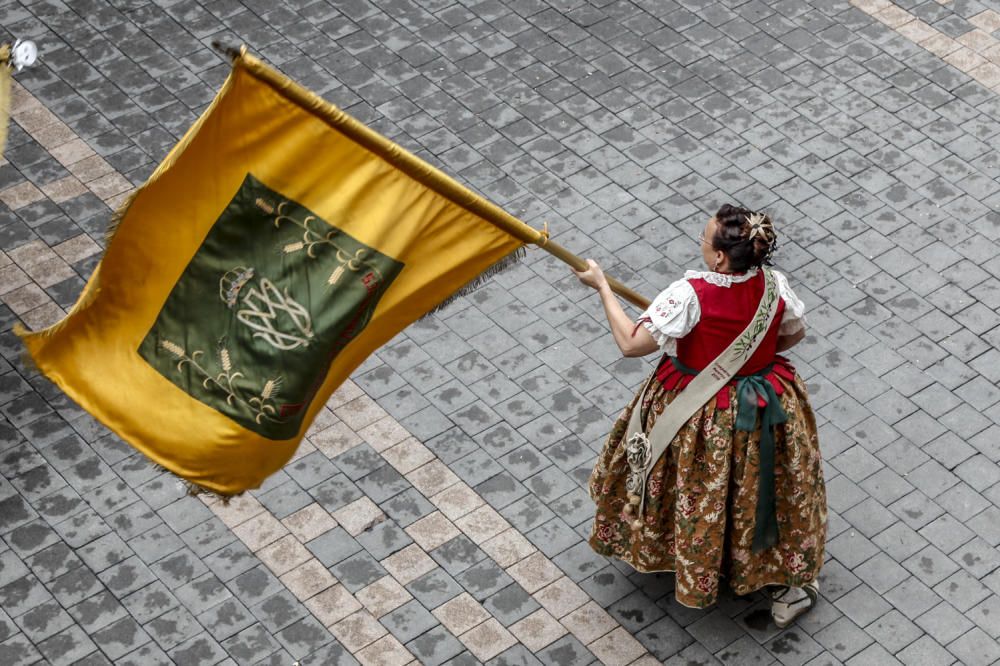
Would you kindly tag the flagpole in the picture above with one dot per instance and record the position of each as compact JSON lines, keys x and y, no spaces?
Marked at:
{"x":415,"y":167}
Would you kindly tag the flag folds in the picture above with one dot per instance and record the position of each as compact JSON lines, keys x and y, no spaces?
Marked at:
{"x":277,"y":246}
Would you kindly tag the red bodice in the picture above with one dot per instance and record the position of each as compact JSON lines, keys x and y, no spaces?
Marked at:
{"x":725,"y":313}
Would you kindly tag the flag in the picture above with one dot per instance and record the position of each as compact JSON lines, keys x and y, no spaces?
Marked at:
{"x":5,"y":77}
{"x":278,"y":245}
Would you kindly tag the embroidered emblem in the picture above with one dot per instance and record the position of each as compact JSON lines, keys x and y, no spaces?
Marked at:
{"x":262,"y":310}
{"x":292,"y":291}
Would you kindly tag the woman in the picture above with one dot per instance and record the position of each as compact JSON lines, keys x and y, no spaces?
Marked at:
{"x":738,"y":491}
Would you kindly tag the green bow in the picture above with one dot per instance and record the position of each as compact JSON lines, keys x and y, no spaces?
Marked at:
{"x":748,"y":390}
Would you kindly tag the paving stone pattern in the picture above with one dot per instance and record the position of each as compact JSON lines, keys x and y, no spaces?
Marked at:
{"x":438,"y":510}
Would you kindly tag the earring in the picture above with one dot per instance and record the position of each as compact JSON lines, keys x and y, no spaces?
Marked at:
{"x":715,"y":268}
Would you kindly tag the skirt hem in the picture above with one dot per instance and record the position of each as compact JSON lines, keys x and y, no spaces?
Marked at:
{"x":644,"y":570}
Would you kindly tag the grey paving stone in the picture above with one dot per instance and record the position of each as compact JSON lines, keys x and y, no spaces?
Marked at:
{"x":518,"y":654}
{"x":183,"y":513}
{"x":579,"y":562}
{"x":173,"y":628}
{"x":19,"y":650}
{"x":409,"y":621}
{"x":333,"y":652}
{"x":549,"y":484}
{"x":12,"y":567}
{"x":944,"y":623}
{"x":384,"y":539}
{"x":120,"y":638}
{"x":335,"y":492}
{"x":199,"y":649}
{"x":105,"y":551}
{"x":664,"y":638}
{"x":44,"y":620}
{"x":358,"y":462}
{"x":278,"y":611}
{"x":226,"y":619}
{"x":457,"y":554}
{"x":67,"y":646}
{"x":179,"y":568}
{"x":250,"y":645}
{"x":483,"y":579}
{"x":230,"y":561}
{"x":153,"y":545}
{"x":111,"y":497}
{"x":207,"y":537}
{"x":333,"y":546}
{"x":74,"y":586}
{"x":383,"y":484}
{"x":357,"y":571}
{"x":962,"y":590}
{"x":202,"y":593}
{"x":553,"y":537}
{"x":435,"y":646}
{"x":126,"y":577}
{"x":511,"y":604}
{"x":499,"y":489}
{"x":407,"y":507}
{"x":255,"y":585}
{"x":863,"y":605}
{"x":304,"y":637}
{"x":434,"y":588}
{"x":22,"y":595}
{"x":527,"y":513}
{"x":53,"y":561}
{"x":15,"y":512}
{"x":150,"y":602}
{"x":607,"y":586}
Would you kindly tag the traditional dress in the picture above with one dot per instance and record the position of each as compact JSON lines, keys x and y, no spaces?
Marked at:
{"x":707,"y":514}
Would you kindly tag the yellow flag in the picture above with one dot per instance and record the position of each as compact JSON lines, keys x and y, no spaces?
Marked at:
{"x":277,"y":246}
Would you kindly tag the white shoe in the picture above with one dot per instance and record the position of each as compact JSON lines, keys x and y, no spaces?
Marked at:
{"x":787,"y":603}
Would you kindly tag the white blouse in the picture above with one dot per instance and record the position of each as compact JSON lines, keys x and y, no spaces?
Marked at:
{"x":675,"y":311}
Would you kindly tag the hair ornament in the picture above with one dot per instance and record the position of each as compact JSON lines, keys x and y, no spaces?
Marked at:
{"x":756,"y":221}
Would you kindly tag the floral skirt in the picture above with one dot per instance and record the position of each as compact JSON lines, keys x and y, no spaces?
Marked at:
{"x":701,"y":498}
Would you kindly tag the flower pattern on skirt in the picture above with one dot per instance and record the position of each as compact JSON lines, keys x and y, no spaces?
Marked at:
{"x":701,"y":499}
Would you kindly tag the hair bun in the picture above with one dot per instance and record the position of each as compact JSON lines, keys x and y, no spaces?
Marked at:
{"x":747,"y":237}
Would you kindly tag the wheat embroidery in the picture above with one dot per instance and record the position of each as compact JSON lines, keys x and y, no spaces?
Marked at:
{"x":262,"y":406}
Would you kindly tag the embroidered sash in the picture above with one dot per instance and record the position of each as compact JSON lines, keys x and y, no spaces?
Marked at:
{"x":642,"y":450}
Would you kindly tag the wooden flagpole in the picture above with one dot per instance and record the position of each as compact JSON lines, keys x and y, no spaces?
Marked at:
{"x":417,"y":168}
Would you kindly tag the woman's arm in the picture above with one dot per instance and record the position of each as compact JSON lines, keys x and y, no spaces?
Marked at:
{"x":631,"y":340}
{"x":786,"y":342}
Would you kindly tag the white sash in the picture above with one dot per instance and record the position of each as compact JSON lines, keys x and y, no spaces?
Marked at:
{"x":642,"y":450}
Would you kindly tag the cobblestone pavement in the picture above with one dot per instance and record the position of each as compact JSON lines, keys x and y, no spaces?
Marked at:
{"x":437,"y":512}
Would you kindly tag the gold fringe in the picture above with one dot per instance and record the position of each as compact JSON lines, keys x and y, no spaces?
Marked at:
{"x":119,"y":215}
{"x":192,"y":489}
{"x":506,"y":263}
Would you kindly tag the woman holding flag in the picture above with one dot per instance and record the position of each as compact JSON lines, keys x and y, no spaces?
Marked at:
{"x":714,"y":469}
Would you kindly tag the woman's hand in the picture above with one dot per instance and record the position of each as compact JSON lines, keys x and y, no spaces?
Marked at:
{"x":593,"y":277}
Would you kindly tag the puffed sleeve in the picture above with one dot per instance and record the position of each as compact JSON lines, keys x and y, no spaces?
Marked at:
{"x":672,"y":315}
{"x":794,"y":318}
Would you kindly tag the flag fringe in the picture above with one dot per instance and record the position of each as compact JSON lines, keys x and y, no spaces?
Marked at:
{"x":505,"y":264}
{"x":193,"y":489}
